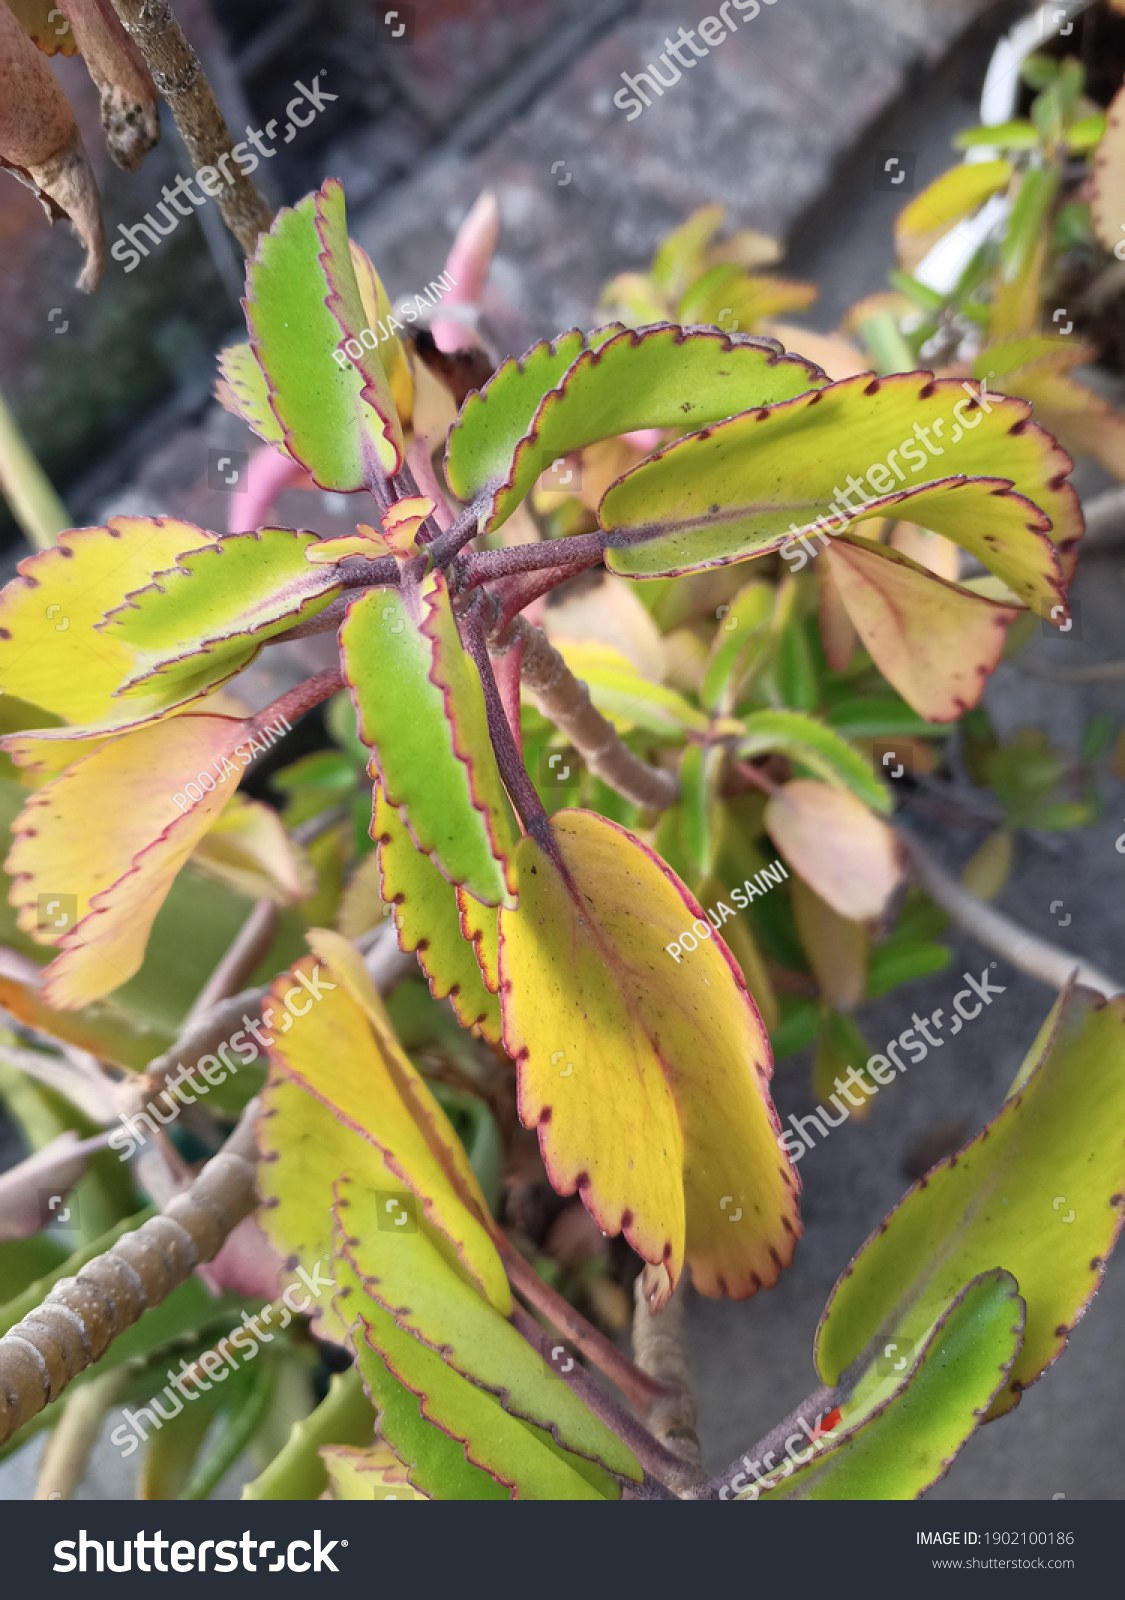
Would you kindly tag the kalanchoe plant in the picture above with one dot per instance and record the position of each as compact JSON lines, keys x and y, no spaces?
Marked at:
{"x":556,"y":933}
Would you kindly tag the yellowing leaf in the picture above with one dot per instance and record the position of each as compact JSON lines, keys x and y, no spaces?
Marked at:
{"x":835,"y":945}
{"x":837,"y":845}
{"x":944,"y":202}
{"x":112,"y":832}
{"x":935,"y":642}
{"x":371,"y":1473}
{"x":392,"y":354}
{"x":646,"y":1080}
{"x":49,"y":651}
{"x":343,"y":1051}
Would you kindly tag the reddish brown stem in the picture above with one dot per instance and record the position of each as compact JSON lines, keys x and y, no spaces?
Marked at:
{"x":571,"y":556}
{"x":638,"y":1388}
{"x":295,"y":702}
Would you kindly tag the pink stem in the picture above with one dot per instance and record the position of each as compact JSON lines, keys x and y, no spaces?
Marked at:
{"x":269,"y":473}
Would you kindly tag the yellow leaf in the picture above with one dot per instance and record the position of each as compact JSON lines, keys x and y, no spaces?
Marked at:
{"x":111,"y":833}
{"x":646,"y":1079}
{"x":934,"y":641}
{"x":50,"y":653}
{"x":835,"y":945}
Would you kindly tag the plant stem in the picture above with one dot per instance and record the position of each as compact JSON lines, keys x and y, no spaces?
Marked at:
{"x":565,"y":700}
{"x":295,"y":702}
{"x":659,"y":1350}
{"x":1027,"y":953}
{"x":818,"y":1404}
{"x":512,"y":770}
{"x":26,"y":487}
{"x":83,"y":1315}
{"x":574,"y":555}
{"x":455,"y":537}
{"x":179,"y":77}
{"x":637,"y":1386}
{"x":650,"y":1452}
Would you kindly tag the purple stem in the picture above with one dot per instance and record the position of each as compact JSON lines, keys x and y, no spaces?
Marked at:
{"x":574,"y":555}
{"x":456,"y":537}
{"x":512,"y":770}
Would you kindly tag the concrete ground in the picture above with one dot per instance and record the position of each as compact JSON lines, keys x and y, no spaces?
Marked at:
{"x":784,"y":124}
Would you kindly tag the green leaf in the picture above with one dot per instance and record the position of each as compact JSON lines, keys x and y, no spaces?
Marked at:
{"x":901,"y":961}
{"x":407,"y":1275}
{"x":658,"y":377}
{"x":754,"y":483}
{"x":800,"y":1020}
{"x":681,"y":255}
{"x":297,"y":1472}
{"x":736,"y":300}
{"x":1036,"y":194}
{"x":338,"y":418}
{"x":899,"y":1443}
{"x":429,"y":735}
{"x":1040,"y":1192}
{"x":878,"y":719}
{"x":243,"y":389}
{"x":738,"y":643}
{"x":221,"y":602}
{"x":952,"y":196}
{"x":1000,"y":136}
{"x":428,"y":920}
{"x":815,"y":746}
{"x":1084,"y":134}
{"x":700,"y":770}
{"x":456,"y":1439}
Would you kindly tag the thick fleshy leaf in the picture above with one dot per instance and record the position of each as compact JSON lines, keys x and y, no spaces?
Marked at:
{"x":243,"y":389}
{"x":683,"y":254}
{"x":49,"y":651}
{"x":816,"y":746}
{"x":421,"y":711}
{"x":753,"y":484}
{"x":344,"y":1053}
{"x":337,"y":413}
{"x":1041,"y":1192}
{"x":833,"y":841}
{"x":934,"y":641}
{"x":624,"y":694}
{"x":493,"y":420}
{"x":897,"y":1444}
{"x":481,"y":924}
{"x":111,"y":832}
{"x":647,"y":1080}
{"x":409,"y":1277}
{"x":218,"y":606}
{"x":658,"y":377}
{"x":428,"y":920}
{"x":456,"y":1439}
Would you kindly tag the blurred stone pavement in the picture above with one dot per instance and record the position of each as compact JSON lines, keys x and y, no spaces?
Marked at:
{"x":782,"y":123}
